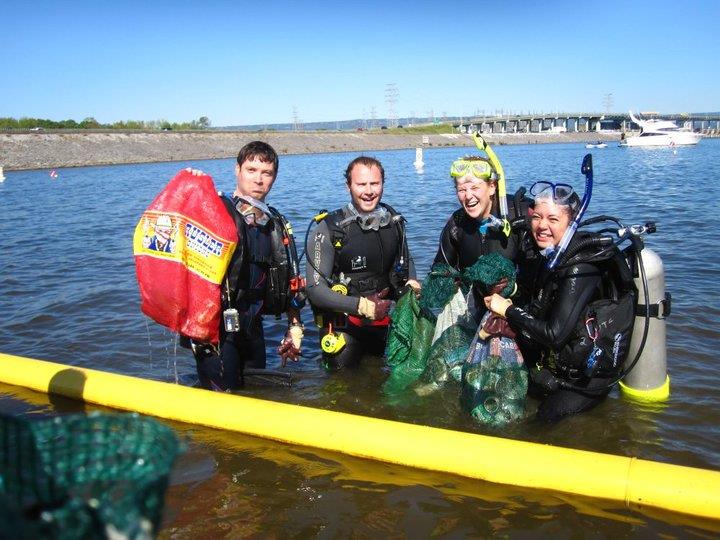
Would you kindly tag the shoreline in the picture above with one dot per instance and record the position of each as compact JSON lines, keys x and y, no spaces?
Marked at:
{"x":28,"y":151}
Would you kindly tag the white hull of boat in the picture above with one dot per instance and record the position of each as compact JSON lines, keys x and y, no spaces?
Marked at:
{"x":680,"y":138}
{"x":660,"y":133}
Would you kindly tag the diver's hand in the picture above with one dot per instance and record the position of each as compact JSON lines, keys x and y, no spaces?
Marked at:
{"x":414,"y":285}
{"x":375,"y":306}
{"x":291,"y":344}
{"x":497,"y":304}
{"x":194,"y":172}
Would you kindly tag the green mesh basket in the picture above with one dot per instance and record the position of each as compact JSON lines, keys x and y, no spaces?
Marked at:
{"x":77,"y":476}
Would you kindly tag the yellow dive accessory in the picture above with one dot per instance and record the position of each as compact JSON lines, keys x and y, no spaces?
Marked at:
{"x":319,"y":217}
{"x":340,"y":288}
{"x":502,"y":191}
{"x":332,"y":343}
{"x":479,"y":168}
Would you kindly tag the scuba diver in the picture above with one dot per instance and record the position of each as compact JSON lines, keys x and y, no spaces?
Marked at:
{"x":474,"y":229}
{"x":261,"y":279}
{"x":576,"y":329}
{"x":358,"y":262}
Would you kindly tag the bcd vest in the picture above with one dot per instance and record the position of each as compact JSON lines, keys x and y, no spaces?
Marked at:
{"x":371,"y":260}
{"x":273,"y":250}
{"x":609,"y":315}
{"x":469,"y":244}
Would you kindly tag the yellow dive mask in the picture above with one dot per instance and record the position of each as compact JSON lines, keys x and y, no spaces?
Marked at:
{"x":479,"y":168}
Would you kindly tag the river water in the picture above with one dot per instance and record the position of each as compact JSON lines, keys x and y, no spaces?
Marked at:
{"x":68,"y":294}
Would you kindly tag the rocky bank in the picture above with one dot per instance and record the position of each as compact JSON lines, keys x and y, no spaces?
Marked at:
{"x":57,"y":149}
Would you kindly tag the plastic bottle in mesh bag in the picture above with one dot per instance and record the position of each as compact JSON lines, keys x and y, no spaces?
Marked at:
{"x":494,"y":381}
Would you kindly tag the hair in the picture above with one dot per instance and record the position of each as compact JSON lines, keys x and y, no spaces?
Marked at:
{"x":260,"y":150}
{"x":477,"y":158}
{"x":369,"y":162}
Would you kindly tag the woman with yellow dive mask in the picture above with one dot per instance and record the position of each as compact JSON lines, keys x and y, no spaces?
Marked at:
{"x":474,"y":229}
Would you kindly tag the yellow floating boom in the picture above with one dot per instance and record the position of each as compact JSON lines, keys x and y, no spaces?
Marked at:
{"x":637,"y":482}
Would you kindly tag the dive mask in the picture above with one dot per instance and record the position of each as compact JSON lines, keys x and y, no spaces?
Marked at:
{"x":254,"y":212}
{"x":478,"y":168}
{"x":370,"y":221}
{"x":560,"y":193}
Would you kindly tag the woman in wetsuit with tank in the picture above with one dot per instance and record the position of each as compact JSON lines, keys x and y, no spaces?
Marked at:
{"x":573,"y":331}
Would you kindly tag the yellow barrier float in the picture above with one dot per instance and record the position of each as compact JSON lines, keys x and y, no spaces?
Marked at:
{"x":636,"y":482}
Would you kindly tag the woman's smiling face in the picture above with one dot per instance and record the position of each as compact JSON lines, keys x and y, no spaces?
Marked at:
{"x":475,"y":195}
{"x":548,"y":223}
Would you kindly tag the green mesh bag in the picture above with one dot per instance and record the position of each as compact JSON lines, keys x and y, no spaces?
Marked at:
{"x":429,"y":339}
{"x":440,"y":286}
{"x":443,"y":281}
{"x":77,"y":476}
{"x":408,"y":343}
{"x":494,"y":380}
{"x":449,"y":350}
{"x":489,"y":270}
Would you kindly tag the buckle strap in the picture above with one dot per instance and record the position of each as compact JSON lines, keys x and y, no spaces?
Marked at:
{"x":659,"y":310}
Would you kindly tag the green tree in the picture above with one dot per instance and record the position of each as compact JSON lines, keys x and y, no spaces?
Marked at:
{"x":8,"y":123}
{"x":89,"y":123}
{"x":203,"y":122}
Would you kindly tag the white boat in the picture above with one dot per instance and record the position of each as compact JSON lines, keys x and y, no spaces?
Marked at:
{"x":660,"y":133}
{"x":598,"y":144}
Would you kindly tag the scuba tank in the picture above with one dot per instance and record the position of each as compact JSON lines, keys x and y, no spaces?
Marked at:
{"x":648,"y":379}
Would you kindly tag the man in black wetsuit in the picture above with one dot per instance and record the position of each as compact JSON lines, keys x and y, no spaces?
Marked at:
{"x":358,"y":262}
{"x":256,"y":282}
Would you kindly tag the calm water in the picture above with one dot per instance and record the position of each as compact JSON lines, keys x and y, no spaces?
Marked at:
{"x":68,"y":294}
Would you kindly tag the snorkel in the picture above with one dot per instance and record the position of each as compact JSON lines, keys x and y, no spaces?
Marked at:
{"x":587,"y":170}
{"x":502,"y":192}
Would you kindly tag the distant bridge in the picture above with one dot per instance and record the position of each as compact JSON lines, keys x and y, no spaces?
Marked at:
{"x":577,"y":122}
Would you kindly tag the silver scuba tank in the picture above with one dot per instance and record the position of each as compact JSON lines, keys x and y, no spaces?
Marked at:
{"x":648,"y":380}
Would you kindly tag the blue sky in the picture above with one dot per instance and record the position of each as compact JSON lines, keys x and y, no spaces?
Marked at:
{"x":254,"y":62}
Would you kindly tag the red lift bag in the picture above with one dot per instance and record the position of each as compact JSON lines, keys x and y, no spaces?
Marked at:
{"x":182,"y":246}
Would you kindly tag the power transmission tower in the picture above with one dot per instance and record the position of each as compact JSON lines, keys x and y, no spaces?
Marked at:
{"x":372,"y":118}
{"x":608,"y":102}
{"x":296,"y":122}
{"x":391,"y":98}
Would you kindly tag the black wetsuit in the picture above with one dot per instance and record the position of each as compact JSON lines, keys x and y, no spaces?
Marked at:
{"x":248,"y":279}
{"x":462,"y":243}
{"x":369,"y":260}
{"x":552,"y":333}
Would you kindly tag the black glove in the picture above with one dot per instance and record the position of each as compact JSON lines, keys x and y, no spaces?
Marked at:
{"x":545,"y":379}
